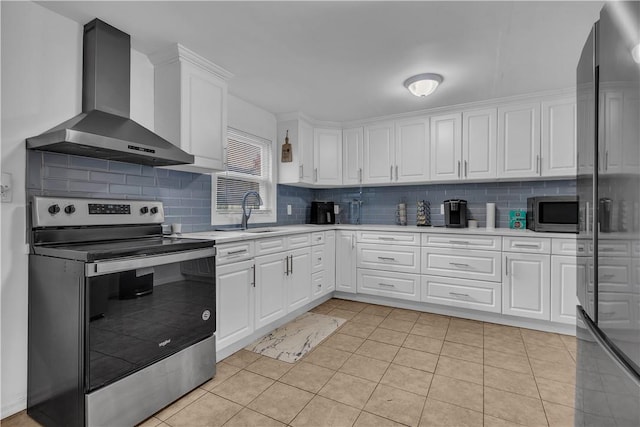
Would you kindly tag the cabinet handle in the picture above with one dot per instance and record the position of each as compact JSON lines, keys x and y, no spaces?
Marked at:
{"x":315,"y":175}
{"x":396,"y":172}
{"x":286,"y":270}
{"x":538,"y":163}
{"x":386,"y":258}
{"x":606,"y":160}
{"x":458,"y":168}
{"x":386,"y":238}
{"x":462,"y":242}
{"x":456,"y":294}
{"x":607,"y":276}
{"x":253,"y":267}
{"x":459,"y":264}
{"x":466,"y":167}
{"x":360,"y":175}
{"x":241,"y":251}
{"x":506,"y":266}
{"x":391,"y":173}
{"x":387,"y":285}
{"x":300,"y":171}
{"x":606,"y":313}
{"x":319,"y":258}
{"x":525,"y":245}
{"x":353,"y":245}
{"x":291,"y":271}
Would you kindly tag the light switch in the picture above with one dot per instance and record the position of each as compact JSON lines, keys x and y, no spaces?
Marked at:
{"x":288,"y":209}
{"x":6,"y":188}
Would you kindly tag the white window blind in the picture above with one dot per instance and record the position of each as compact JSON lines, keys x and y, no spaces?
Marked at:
{"x":248,"y":169}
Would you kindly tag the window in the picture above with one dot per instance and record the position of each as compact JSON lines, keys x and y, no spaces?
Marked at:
{"x":249,"y":168}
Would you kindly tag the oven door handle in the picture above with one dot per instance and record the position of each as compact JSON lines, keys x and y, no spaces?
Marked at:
{"x":133,"y":263}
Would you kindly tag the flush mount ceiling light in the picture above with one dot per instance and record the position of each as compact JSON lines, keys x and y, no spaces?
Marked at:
{"x":423,"y":84}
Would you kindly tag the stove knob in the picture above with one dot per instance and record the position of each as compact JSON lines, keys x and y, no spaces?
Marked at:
{"x":154,"y":210}
{"x":69,"y":209}
{"x":54,"y":209}
{"x":144,"y":210}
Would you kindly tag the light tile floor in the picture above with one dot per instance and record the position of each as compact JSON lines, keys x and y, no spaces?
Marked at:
{"x":388,"y":367}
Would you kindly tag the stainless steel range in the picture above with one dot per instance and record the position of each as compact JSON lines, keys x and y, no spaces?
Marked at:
{"x":121,"y":318}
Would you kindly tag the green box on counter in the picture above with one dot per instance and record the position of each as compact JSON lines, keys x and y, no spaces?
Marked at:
{"x":518,"y":219}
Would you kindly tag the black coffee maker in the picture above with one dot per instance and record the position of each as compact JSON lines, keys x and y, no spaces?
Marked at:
{"x":455,"y":213}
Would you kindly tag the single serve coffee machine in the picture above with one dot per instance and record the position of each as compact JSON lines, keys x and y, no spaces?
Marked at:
{"x":455,"y":213}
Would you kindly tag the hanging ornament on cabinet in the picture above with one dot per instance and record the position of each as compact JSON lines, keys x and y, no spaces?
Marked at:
{"x":286,"y":150}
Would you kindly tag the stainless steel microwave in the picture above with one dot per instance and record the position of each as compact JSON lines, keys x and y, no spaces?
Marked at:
{"x":558,"y":214}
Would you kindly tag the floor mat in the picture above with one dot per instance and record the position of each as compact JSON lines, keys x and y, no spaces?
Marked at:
{"x":293,"y":340}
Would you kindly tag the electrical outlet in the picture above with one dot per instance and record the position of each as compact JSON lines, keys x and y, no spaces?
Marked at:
{"x":6,"y":188}
{"x":288,"y":209}
{"x":441,"y":208}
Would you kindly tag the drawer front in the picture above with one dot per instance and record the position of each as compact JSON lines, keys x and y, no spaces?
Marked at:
{"x":317,"y":258}
{"x":490,"y":243}
{"x":568,"y":247}
{"x":232,"y":252}
{"x":394,"y":285}
{"x":389,"y":238}
{"x":461,"y":263}
{"x":405,"y":259}
{"x":317,"y":284}
{"x":317,"y":238}
{"x":614,"y":274}
{"x":610,"y":247}
{"x":534,"y":245}
{"x":269,"y":246}
{"x":474,"y":294}
{"x":298,"y":241}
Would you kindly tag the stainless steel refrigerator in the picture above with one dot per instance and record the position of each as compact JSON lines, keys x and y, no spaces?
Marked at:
{"x":608,"y":186}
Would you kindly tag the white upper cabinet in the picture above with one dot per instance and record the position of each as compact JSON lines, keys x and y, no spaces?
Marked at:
{"x":559,"y":143}
{"x":519,"y":141}
{"x":412,"y":151}
{"x":301,"y":169}
{"x":378,"y":153}
{"x":327,"y":155}
{"x":479,"y":144}
{"x":446,"y":147}
{"x":190,"y":97}
{"x":352,"y":145}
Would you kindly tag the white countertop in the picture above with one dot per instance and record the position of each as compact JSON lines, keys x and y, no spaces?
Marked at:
{"x":255,"y":233}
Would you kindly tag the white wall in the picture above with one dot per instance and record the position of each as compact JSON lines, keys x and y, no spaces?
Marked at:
{"x":41,"y":87}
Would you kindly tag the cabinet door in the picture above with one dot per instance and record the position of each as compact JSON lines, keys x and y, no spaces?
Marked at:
{"x":630,"y":132}
{"x":305,"y":145}
{"x":412,"y":151}
{"x":525,"y":284}
{"x":446,"y":147}
{"x":565,"y":274}
{"x":559,"y":143}
{"x":327,"y":155}
{"x":330,"y":261}
{"x":378,"y":153}
{"x":299,"y":279}
{"x":479,"y":144}
{"x":234,"y":298}
{"x":204,"y":116}
{"x":519,"y":141}
{"x":346,"y":261}
{"x":270,"y":295}
{"x":352,"y":156}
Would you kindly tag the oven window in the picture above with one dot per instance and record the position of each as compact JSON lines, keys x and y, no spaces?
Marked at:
{"x":140,"y":316}
{"x":558,"y":213}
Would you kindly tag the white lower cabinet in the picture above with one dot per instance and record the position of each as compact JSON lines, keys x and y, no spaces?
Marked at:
{"x":565,"y":274}
{"x":330,"y":261}
{"x":346,"y":261}
{"x":526,"y":287}
{"x":235,"y":308}
{"x":388,"y":284}
{"x":270,"y":293}
{"x":473,"y":294}
{"x":298,"y":278}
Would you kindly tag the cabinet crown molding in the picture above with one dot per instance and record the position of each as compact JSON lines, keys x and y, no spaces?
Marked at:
{"x":177,"y":53}
{"x":285,"y":117}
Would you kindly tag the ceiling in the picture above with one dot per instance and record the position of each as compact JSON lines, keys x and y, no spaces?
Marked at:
{"x":345,"y":61}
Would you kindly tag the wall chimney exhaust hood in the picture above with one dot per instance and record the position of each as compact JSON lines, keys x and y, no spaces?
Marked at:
{"x":104,"y":129}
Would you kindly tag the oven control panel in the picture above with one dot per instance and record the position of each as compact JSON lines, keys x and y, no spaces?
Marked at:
{"x":64,"y":212}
